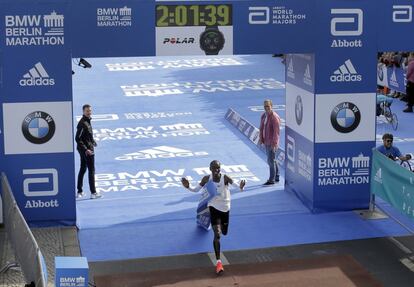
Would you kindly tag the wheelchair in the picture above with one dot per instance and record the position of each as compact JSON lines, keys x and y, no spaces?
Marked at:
{"x":384,"y":109}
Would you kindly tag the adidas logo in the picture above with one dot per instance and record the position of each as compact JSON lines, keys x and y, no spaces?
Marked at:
{"x":393,"y":79}
{"x":307,"y":76}
{"x":378,"y":176}
{"x":37,"y":76}
{"x":290,"y":71}
{"x":160,"y":152}
{"x":346,"y":73}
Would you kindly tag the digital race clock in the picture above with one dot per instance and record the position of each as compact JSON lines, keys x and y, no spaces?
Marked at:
{"x":193,"y":15}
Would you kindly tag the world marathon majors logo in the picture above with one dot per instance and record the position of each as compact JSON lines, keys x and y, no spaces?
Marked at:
{"x":299,"y":110}
{"x":345,"y":117}
{"x":38,"y":127}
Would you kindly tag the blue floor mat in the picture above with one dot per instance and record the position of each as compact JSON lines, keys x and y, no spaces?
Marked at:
{"x":155,"y":125}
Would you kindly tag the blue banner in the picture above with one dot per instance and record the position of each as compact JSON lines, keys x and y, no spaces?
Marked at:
{"x":299,"y":173}
{"x":262,"y":27}
{"x":393,"y":183}
{"x":112,"y":28}
{"x":395,"y":22}
{"x":36,"y":108}
{"x":344,"y":60}
{"x":396,"y":79}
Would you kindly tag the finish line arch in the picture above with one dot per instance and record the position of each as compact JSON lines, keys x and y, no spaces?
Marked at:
{"x":330,"y":82}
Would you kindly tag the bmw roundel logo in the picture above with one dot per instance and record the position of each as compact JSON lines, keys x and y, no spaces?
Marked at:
{"x":38,"y":127}
{"x":299,"y":110}
{"x":345,"y":117}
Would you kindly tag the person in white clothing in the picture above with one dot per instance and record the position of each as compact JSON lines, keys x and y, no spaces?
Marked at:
{"x":219,"y":205}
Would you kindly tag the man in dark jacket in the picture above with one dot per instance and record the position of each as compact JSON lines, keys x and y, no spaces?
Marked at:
{"x":86,"y":147}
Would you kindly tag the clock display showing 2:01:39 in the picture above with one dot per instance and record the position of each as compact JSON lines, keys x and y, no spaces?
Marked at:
{"x":193,"y":15}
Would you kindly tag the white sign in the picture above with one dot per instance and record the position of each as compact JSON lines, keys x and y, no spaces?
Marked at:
{"x":345,"y":117}
{"x":305,"y":106}
{"x":38,"y":127}
{"x":174,"y":41}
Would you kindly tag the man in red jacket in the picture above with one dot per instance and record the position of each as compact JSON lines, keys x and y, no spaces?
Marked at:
{"x":269,"y":136}
{"x":410,"y":84}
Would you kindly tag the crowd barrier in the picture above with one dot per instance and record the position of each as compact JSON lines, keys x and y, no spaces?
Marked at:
{"x":393,"y":183}
{"x":391,"y":77}
{"x":26,"y":249}
{"x":252,"y":133}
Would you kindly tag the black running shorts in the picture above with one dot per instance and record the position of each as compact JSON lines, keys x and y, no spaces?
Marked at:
{"x":219,"y":217}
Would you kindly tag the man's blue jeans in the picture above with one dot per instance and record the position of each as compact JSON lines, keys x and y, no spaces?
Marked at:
{"x":271,"y":161}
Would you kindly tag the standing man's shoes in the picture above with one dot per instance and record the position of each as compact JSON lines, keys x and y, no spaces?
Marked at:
{"x":269,"y":183}
{"x":408,"y":110}
{"x":96,"y":195}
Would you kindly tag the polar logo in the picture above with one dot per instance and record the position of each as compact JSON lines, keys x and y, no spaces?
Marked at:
{"x":47,"y":175}
{"x":37,"y":76}
{"x":161,"y":152}
{"x":345,"y":117}
{"x":346,"y":73}
{"x":259,"y":15}
{"x":402,"y":14}
{"x":353,"y":16}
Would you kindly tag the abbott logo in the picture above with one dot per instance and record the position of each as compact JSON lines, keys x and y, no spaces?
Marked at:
{"x":161,"y":152}
{"x":352,"y":16}
{"x":346,"y":73}
{"x":402,"y":13}
{"x":259,"y":15}
{"x":37,"y":76}
{"x":48,"y":174}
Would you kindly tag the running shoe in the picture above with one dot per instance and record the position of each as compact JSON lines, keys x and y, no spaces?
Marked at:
{"x":219,"y":268}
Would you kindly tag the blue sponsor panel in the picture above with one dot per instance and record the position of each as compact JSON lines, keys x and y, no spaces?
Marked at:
{"x":37,"y":76}
{"x":342,"y":172}
{"x":300,"y":71}
{"x":71,"y":272}
{"x":345,"y":47}
{"x":263,"y":27}
{"x":396,"y":79}
{"x":112,"y":28}
{"x":43,"y":187}
{"x":395,"y":20}
{"x":299,"y":167}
